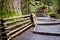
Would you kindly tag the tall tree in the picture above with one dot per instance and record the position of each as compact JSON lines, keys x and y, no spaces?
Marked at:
{"x":11,"y":8}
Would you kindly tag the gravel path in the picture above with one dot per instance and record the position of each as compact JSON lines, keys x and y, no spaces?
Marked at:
{"x":29,"y":35}
{"x":25,"y":35}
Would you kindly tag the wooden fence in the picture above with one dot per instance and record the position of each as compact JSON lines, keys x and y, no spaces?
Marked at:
{"x":15,"y":25}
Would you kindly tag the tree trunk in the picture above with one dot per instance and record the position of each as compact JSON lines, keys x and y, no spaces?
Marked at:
{"x":11,"y":8}
{"x":17,"y":5}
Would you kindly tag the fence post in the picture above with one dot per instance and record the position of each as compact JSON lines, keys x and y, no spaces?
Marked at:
{"x":3,"y":34}
{"x":0,"y":30}
{"x":31,"y":17}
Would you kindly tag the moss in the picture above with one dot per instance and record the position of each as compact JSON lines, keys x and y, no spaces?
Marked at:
{"x":9,"y":13}
{"x":54,"y":15}
{"x":58,"y":16}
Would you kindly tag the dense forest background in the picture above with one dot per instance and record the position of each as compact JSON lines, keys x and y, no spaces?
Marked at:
{"x":10,"y":8}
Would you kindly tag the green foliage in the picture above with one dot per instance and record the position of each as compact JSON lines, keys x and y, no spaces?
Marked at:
{"x":8,"y":13}
{"x":8,"y":10}
{"x":58,"y":16}
{"x":54,"y":15}
{"x":58,"y":3}
{"x":1,"y":8}
{"x":24,"y":6}
{"x":55,"y":6}
{"x":32,"y":6}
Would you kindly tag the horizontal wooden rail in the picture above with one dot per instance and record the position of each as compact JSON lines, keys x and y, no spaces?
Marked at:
{"x":18,"y":28}
{"x":16,"y":21}
{"x":12,"y":26}
{"x":16,"y":17}
{"x":19,"y":32}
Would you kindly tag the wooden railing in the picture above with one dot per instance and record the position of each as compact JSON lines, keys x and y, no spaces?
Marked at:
{"x":15,"y":25}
